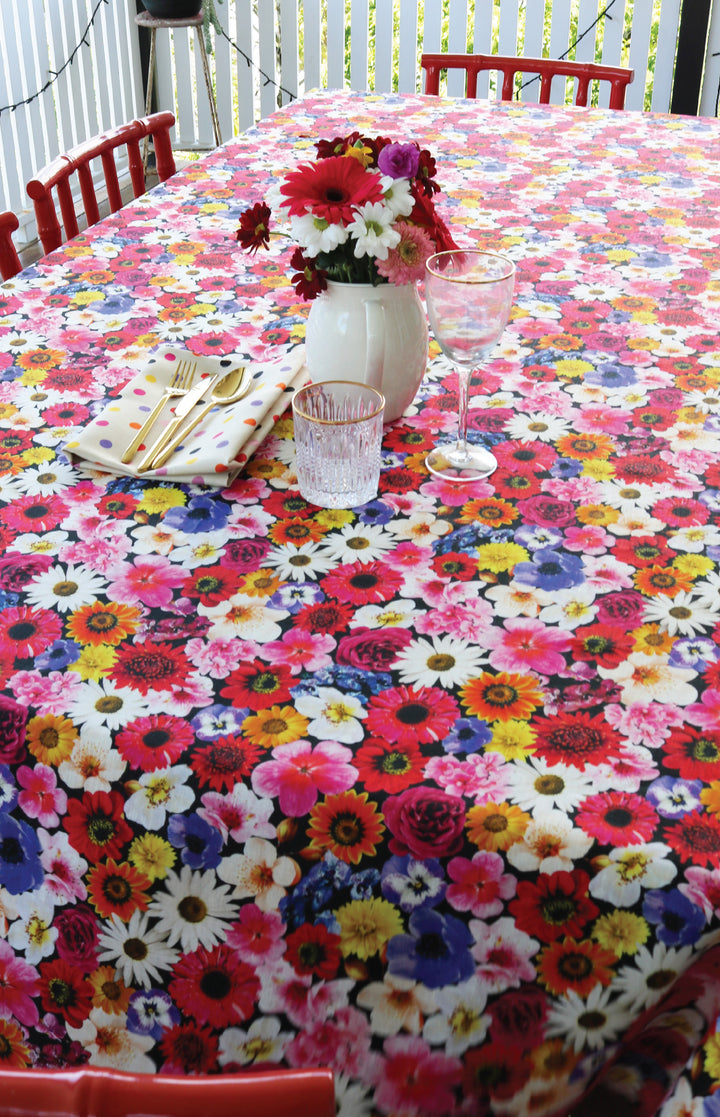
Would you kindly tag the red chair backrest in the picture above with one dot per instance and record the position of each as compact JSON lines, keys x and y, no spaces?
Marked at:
{"x":56,"y":175}
{"x":9,"y":260}
{"x":97,"y":1092}
{"x":545,"y":68}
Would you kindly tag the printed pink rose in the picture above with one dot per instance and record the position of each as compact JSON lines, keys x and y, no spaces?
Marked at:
{"x":425,"y":822}
{"x":519,"y":1017}
{"x":547,"y":511}
{"x":16,"y":570}
{"x":13,"y":719}
{"x":625,"y":609}
{"x":77,"y":941}
{"x":373,"y":649}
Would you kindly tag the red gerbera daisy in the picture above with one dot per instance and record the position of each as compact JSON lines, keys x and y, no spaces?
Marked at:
{"x":117,"y":889}
{"x":147,"y":667}
{"x":254,"y":229}
{"x":312,"y":949}
{"x":389,"y":767}
{"x":330,"y":189}
{"x":695,"y":753}
{"x":455,"y":564}
{"x":224,"y":762}
{"x":576,"y":738}
{"x":65,"y":991}
{"x":362,"y":583}
{"x":327,"y":616}
{"x":575,"y":965}
{"x":154,"y":742}
{"x":511,"y":485}
{"x":643,"y":550}
{"x":26,"y":632}
{"x":96,"y":826}
{"x":211,"y":584}
{"x":258,"y":685}
{"x":525,"y":457}
{"x":557,"y":904}
{"x":215,"y":987}
{"x":408,"y":715}
{"x":603,"y":644}
{"x":496,"y":1070}
{"x":189,"y":1049}
{"x":618,"y":818}
{"x":120,"y":506}
{"x":696,"y":838}
{"x":681,"y":511}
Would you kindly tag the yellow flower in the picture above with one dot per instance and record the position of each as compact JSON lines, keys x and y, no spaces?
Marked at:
{"x":277,"y":726}
{"x":33,"y":376}
{"x":161,"y":499}
{"x":695,"y":566}
{"x":50,"y":738}
{"x":283,"y":428}
{"x":623,"y":932}
{"x":711,"y":1051}
{"x":334,"y":517}
{"x":496,"y":826}
{"x":263,"y":467}
{"x":152,"y":855}
{"x":109,"y":993}
{"x":514,"y":739}
{"x":710,"y":796}
{"x":36,"y":455}
{"x":259,"y":583}
{"x":500,"y":557}
{"x":95,"y":662}
{"x":572,"y":368}
{"x":597,"y":514}
{"x":651,"y":641}
{"x":598,"y":470}
{"x":366,"y":925}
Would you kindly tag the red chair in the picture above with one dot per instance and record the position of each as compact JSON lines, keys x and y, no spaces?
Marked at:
{"x":97,"y":1092}
{"x":9,"y":260}
{"x":57,"y":174}
{"x":545,"y":68}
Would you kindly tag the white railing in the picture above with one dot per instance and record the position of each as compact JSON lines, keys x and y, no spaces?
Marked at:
{"x":270,"y":51}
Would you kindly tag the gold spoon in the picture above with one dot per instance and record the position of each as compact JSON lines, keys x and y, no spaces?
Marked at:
{"x":229,"y":390}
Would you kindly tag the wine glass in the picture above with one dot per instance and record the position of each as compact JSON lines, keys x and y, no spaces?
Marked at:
{"x":469,"y":295}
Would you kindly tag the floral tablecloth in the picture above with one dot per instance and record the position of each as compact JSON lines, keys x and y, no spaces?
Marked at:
{"x":427,"y":791}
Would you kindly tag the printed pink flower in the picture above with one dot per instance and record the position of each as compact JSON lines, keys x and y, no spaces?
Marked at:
{"x":416,"y":1079}
{"x":300,"y":649}
{"x":617,"y":818}
{"x":299,"y":772}
{"x":41,"y":798}
{"x":257,"y":935}
{"x":482,"y":776}
{"x":502,"y":954}
{"x":150,"y":579}
{"x":645,"y":724}
{"x":342,"y":1042}
{"x":525,"y":644}
{"x":18,"y":986}
{"x":480,"y":886}
{"x":589,"y":540}
{"x":706,"y":712}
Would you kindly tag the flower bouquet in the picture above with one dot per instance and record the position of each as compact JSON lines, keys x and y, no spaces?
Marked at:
{"x":363,"y":212}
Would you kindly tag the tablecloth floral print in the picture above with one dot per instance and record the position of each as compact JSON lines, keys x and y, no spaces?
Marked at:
{"x":428,"y":790}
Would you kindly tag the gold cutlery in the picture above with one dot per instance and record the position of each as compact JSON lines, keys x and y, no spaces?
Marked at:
{"x":180,"y":383}
{"x":229,"y":390}
{"x":184,"y":408}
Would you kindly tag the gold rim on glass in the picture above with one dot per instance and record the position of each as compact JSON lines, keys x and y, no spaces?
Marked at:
{"x":510,"y":270}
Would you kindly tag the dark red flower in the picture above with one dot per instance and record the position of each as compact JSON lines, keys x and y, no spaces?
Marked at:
{"x":150,"y":666}
{"x":120,"y":506}
{"x":312,"y":949}
{"x":387,"y":767}
{"x":211,"y":584}
{"x":425,"y":822}
{"x":601,"y":643}
{"x":214,"y":986}
{"x":189,"y":1049}
{"x":576,"y":739}
{"x":554,"y":905}
{"x":65,"y":991}
{"x":96,"y":826}
{"x":455,"y":564}
{"x":496,"y":1070}
{"x":77,"y":941}
{"x":326,"y":616}
{"x":694,"y":753}
{"x":307,"y":279}
{"x":254,"y":229}
{"x":696,"y":839}
{"x":258,"y":685}
{"x":224,"y":762}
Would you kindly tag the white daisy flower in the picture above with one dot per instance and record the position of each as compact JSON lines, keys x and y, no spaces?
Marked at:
{"x":161,"y":792}
{"x":650,"y":976}
{"x":630,"y":497}
{"x":352,"y":1099}
{"x":316,"y":234}
{"x":334,"y":716}
{"x":359,"y":543}
{"x":707,"y":591}
{"x":110,"y":1044}
{"x":540,"y":787}
{"x":373,"y":231}
{"x":299,"y":564}
{"x":629,"y":869}
{"x":138,"y":953}
{"x":461,"y":1021}
{"x":65,"y":588}
{"x":682,"y":615}
{"x":593,"y":1022}
{"x":441,"y":661}
{"x":32,"y":932}
{"x":192,"y":910}
{"x":105,"y":703}
{"x":47,"y":478}
{"x":707,"y":402}
{"x":537,"y":428}
{"x":262,"y":1042}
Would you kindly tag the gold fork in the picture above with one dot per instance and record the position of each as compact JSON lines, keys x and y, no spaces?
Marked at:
{"x":180,"y":382}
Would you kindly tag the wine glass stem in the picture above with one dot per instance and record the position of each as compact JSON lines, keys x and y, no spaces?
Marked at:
{"x":463,"y":391}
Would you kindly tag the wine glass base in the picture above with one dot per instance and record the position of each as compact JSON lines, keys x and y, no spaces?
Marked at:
{"x":461,"y":463}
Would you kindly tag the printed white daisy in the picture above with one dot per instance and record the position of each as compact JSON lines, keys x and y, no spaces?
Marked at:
{"x":32,"y":932}
{"x":192,"y":910}
{"x":161,"y":791}
{"x":461,"y":1022}
{"x":259,"y":873}
{"x":299,"y":564}
{"x":647,"y":678}
{"x":93,"y":763}
{"x":106,"y":703}
{"x":397,"y":1004}
{"x":572,"y":607}
{"x":47,"y":478}
{"x":550,"y":844}
{"x":682,"y":615}
{"x":630,"y":498}
{"x":109,"y":1043}
{"x":65,"y":588}
{"x":352,"y":1099}
{"x":359,"y":543}
{"x":138,"y":952}
{"x":536,"y":427}
{"x":440,"y":661}
{"x":707,"y":402}
{"x":593,"y":1022}
{"x":627,"y":870}
{"x":263,"y":1042}
{"x":696,"y":538}
{"x":649,"y":976}
{"x":373,"y":230}
{"x":334,"y":716}
{"x":243,"y":616}
{"x":540,"y":787}
{"x":316,"y":234}
{"x":708,"y":590}
{"x":399,"y":614}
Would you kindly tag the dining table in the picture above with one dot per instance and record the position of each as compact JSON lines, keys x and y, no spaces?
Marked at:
{"x":425,"y":790}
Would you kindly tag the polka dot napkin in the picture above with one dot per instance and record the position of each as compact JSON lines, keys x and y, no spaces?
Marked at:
{"x":217,"y":449}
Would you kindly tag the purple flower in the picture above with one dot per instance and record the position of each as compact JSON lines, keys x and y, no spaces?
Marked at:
{"x":551,"y":570}
{"x":679,"y":921}
{"x":399,"y":160}
{"x":436,"y":952}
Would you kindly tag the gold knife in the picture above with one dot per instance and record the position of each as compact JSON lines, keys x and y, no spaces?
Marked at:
{"x":183,"y":409}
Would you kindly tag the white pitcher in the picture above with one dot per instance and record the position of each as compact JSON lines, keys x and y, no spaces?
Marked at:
{"x":372,"y":335}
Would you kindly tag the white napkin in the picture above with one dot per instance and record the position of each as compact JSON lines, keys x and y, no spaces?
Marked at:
{"x":220,"y":445}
